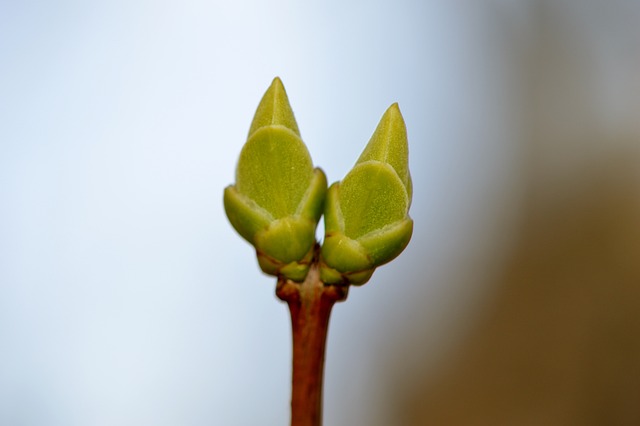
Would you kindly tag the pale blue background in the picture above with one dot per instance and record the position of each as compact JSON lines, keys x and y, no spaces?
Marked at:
{"x":125,"y":296}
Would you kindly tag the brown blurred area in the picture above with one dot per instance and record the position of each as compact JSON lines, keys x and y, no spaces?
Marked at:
{"x":556,"y":339}
{"x":559,"y":344}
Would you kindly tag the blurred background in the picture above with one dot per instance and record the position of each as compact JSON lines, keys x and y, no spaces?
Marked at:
{"x":126,"y":298}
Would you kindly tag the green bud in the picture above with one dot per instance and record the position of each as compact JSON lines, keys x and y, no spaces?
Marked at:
{"x":367,"y":221}
{"x":278,"y":197}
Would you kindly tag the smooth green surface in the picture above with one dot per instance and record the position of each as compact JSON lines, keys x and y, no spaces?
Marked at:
{"x":287,"y":239}
{"x":371,"y":197}
{"x":274,"y":170}
{"x":313,"y":200}
{"x":244,"y":214}
{"x":386,"y":244}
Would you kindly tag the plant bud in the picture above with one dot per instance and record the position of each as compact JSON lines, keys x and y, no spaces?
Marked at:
{"x":278,"y":196}
{"x":366,"y":214}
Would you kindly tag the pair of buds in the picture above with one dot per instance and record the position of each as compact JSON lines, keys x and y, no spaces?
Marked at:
{"x":279,"y":197}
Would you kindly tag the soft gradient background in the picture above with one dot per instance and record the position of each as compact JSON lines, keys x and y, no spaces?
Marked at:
{"x":127,"y":299}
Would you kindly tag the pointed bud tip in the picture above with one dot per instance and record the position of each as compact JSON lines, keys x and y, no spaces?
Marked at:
{"x":389,"y":140}
{"x":389,"y":144}
{"x":277,"y":82}
{"x":276,"y":88}
{"x":393,"y":111}
{"x":274,"y":109}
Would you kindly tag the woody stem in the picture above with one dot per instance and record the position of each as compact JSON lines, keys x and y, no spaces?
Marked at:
{"x":310,"y":304}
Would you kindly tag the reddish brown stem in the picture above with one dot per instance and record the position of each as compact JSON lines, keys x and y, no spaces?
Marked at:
{"x":310,"y":304}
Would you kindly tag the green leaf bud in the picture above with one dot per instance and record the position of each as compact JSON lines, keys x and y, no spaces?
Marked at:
{"x":278,"y":196}
{"x":367,"y":221}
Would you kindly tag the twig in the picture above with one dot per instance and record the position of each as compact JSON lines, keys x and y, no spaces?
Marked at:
{"x":310,"y":304}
